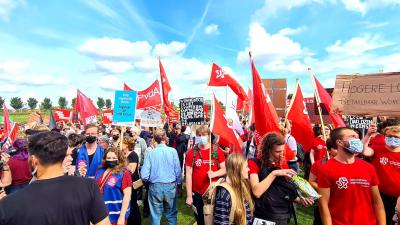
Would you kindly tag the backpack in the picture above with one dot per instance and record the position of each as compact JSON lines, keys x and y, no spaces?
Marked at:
{"x":300,"y":153}
{"x":276,"y":203}
{"x":209,"y":201}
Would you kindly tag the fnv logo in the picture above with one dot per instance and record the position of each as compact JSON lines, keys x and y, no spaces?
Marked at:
{"x":112,"y":181}
{"x":220,"y":73}
{"x":342,"y":183}
{"x":198,"y":162}
{"x":384,"y":160}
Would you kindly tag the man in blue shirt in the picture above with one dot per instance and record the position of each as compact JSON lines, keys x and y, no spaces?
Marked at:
{"x":162,"y":171}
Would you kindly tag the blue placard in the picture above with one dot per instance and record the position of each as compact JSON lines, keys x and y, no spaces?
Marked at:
{"x":124,"y":108}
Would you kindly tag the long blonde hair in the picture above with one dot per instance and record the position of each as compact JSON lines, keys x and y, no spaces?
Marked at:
{"x":234,"y":165}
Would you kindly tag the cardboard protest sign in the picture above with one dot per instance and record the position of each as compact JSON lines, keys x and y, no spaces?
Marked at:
{"x":107,"y":116}
{"x":371,"y":94}
{"x":124,"y":108}
{"x":192,"y":111}
{"x":150,"y":118}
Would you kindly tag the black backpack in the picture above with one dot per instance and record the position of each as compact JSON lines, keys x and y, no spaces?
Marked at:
{"x":276,"y":203}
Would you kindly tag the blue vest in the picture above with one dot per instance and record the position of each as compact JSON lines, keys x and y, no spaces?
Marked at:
{"x":113,"y":195}
{"x":83,"y":159}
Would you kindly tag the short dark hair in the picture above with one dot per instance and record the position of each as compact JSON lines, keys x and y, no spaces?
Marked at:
{"x":317,"y":130}
{"x":159,"y":136}
{"x":49,"y":147}
{"x":75,"y":140}
{"x":337,"y":134}
{"x":329,"y":144}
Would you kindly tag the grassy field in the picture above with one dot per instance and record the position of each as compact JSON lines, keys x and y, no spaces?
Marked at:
{"x":23,"y":116}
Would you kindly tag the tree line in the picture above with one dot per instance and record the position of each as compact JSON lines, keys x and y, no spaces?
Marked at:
{"x":32,"y":103}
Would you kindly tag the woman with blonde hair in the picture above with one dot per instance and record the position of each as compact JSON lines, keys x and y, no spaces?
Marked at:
{"x":115,"y":184}
{"x":234,"y":206}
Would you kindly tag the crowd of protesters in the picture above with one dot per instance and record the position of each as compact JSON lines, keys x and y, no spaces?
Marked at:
{"x":98,"y":174}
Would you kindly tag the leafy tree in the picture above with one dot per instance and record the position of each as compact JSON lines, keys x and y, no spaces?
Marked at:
{"x":32,"y":103}
{"x":1,"y":102}
{"x":46,"y":104}
{"x":62,"y":102}
{"x":73,"y":102}
{"x":100,"y":103}
{"x":108,"y":103}
{"x":16,"y":103}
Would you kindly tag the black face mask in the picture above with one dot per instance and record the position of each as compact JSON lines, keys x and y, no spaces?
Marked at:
{"x":90,"y":139}
{"x":115,"y":137}
{"x":111,"y":164}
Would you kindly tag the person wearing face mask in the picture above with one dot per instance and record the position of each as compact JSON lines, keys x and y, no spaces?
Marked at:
{"x":348,"y":185}
{"x":386,"y":160}
{"x":198,"y":173}
{"x":115,"y":138}
{"x":53,"y":198}
{"x":115,"y":183}
{"x":90,"y":154}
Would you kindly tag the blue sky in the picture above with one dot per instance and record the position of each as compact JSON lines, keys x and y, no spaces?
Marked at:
{"x":52,"y":48}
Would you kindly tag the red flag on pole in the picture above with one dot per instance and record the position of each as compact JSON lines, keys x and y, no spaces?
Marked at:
{"x":61,"y":115}
{"x":87,"y":111}
{"x":149,"y":97}
{"x":7,"y":122}
{"x":266,"y":118}
{"x":220,"y":78}
{"x":11,"y":137}
{"x":298,"y":116}
{"x":219,"y":126}
{"x":166,"y":88}
{"x":324,"y":98}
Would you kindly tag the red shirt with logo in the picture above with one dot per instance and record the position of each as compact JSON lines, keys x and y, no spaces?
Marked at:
{"x":379,"y":139}
{"x":387,"y":165}
{"x":319,"y":147}
{"x":350,"y":199}
{"x":201,"y":166}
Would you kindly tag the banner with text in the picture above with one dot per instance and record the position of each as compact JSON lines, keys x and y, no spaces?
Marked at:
{"x":107,"y":116}
{"x":150,"y":118}
{"x":371,"y":94}
{"x":124,"y":108}
{"x":62,"y":114}
{"x":192,"y":111}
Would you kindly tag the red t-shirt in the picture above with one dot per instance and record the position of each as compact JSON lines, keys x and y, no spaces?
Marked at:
{"x":255,"y":169}
{"x":20,"y":171}
{"x":351,"y":196}
{"x":317,"y":166}
{"x":387,"y":165}
{"x":379,"y":139}
{"x":201,"y":166}
{"x":319,"y":147}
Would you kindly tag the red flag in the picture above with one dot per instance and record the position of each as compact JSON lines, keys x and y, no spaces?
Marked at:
{"x":87,"y":111}
{"x":324,"y":98}
{"x":300,"y":121}
{"x":220,"y":78}
{"x":265,"y":116}
{"x":107,"y":116}
{"x":239,"y":104}
{"x":149,"y":97}
{"x":62,"y":114}
{"x":11,"y":137}
{"x":219,"y":126}
{"x":166,"y":88}
{"x":7,"y":122}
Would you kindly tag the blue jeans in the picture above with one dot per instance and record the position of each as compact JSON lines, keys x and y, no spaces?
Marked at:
{"x":162,"y":197}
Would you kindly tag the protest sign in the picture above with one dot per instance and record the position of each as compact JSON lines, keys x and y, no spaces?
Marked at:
{"x":359,"y":123}
{"x":150,"y":118}
{"x":124,"y":108}
{"x":107,"y":116}
{"x":192,"y":111}
{"x":371,"y":94}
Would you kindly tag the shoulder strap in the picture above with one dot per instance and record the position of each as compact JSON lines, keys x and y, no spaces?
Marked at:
{"x":104,"y":180}
{"x":233,"y":200}
{"x":195,"y":150}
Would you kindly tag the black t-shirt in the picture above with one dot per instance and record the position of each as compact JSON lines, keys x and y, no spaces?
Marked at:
{"x":134,"y":158}
{"x":74,"y":155}
{"x":63,"y":200}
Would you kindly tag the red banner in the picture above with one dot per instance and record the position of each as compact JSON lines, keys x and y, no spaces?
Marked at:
{"x":149,"y":97}
{"x":107,"y":116}
{"x":62,"y":114}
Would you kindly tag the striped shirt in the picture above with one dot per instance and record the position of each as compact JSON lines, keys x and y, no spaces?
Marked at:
{"x":223,"y":208}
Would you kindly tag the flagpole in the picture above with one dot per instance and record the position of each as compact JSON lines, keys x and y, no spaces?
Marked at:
{"x":226,"y":97}
{"x":211,"y":123}
{"x":318,"y":104}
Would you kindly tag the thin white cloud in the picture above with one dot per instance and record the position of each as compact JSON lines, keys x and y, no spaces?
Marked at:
{"x":212,"y":29}
{"x":7,"y":6}
{"x":109,"y":83}
{"x":114,"y":67}
{"x":171,"y":49}
{"x":373,"y":25}
{"x":9,"y":88}
{"x":355,"y":5}
{"x":292,"y":31}
{"x":101,"y":8}
{"x":198,"y":25}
